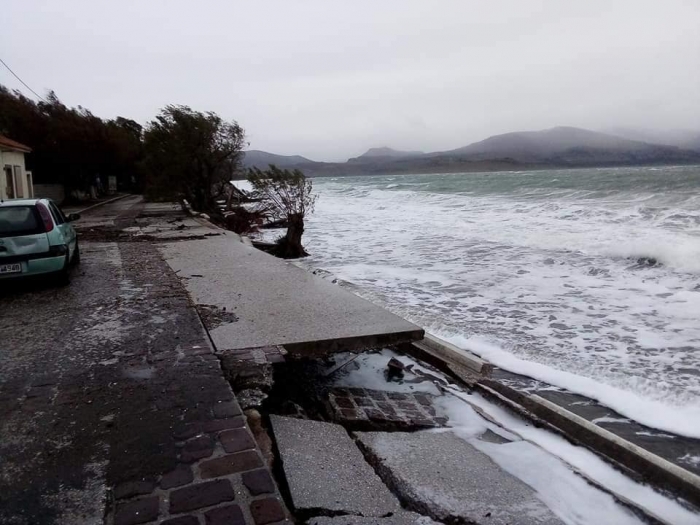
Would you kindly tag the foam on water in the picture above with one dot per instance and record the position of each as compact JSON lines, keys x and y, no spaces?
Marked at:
{"x":590,"y":282}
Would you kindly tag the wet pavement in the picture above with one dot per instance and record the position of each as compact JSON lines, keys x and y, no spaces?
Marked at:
{"x":113,"y":406}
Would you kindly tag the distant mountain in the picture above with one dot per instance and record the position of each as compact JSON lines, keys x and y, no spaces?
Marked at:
{"x":545,"y":143}
{"x":681,"y":138}
{"x":560,"y":147}
{"x":385,"y":152}
{"x":572,"y":147}
{"x":262,"y":159}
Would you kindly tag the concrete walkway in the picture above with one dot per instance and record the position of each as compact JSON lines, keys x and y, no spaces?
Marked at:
{"x":277,"y":303}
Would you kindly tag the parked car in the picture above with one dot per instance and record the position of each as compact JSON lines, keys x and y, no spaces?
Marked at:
{"x":36,"y":238}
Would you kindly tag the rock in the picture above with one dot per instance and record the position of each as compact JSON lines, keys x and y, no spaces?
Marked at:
{"x":394,"y":369}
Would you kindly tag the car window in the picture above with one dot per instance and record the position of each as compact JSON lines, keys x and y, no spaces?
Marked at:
{"x":60,"y":211}
{"x":56,"y":214}
{"x":19,"y":220}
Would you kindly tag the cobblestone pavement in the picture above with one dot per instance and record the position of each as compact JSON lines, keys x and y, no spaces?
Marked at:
{"x":113,"y":407}
{"x":358,"y":408}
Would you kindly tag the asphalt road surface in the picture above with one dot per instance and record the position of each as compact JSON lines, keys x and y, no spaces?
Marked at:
{"x":92,"y":376}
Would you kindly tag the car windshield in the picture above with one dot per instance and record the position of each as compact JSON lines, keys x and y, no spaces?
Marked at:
{"x":19,"y":220}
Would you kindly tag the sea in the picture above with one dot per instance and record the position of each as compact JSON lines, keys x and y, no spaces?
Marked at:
{"x":586,"y":279}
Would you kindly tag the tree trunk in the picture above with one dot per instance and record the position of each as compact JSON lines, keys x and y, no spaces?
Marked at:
{"x":289,"y":247}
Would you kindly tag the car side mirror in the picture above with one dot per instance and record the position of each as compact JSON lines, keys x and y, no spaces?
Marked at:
{"x":73,"y":217}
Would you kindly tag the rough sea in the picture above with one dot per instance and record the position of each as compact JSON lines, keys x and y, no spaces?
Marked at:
{"x":588,"y":280}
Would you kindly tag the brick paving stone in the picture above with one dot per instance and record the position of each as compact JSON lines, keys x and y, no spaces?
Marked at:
{"x":223,"y":424}
{"x":259,"y":482}
{"x":133,"y":488}
{"x":137,"y":511}
{"x":228,"y":515}
{"x":184,"y":431}
{"x":226,"y":409}
{"x":344,"y":402}
{"x":195,"y":414}
{"x":268,"y":510}
{"x":230,"y":464}
{"x":181,"y":520}
{"x":197,"y":448}
{"x":236,"y":440}
{"x":182,"y":475}
{"x":376,"y":395}
{"x":364,"y":402}
{"x":396,"y":396}
{"x":395,"y":410}
{"x":275,"y":358}
{"x":423,"y":400}
{"x":386,"y":407}
{"x":352,"y":415}
{"x":375,"y":415}
{"x":200,"y":495}
{"x":357,"y":391}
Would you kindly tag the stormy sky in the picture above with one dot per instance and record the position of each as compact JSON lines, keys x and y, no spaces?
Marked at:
{"x":329,"y":79}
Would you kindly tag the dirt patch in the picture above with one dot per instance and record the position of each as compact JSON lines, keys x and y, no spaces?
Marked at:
{"x":213,"y":316}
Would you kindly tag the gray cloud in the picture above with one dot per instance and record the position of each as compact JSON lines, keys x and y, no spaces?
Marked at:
{"x":328,"y":80}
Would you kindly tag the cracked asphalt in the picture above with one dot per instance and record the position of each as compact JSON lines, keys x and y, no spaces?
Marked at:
{"x":92,"y":377}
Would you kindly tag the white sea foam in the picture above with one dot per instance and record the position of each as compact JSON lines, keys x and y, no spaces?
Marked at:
{"x":541,"y":277}
{"x":544,"y":460}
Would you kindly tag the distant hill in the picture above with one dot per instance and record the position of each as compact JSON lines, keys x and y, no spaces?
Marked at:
{"x":681,"y":138}
{"x":262,"y":159}
{"x":560,"y":147}
{"x":546,"y":143}
{"x":387,"y":153}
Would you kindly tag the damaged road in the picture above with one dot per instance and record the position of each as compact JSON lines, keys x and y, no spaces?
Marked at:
{"x":113,"y":406}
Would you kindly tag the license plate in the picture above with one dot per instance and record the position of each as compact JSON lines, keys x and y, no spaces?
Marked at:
{"x":10,"y":268}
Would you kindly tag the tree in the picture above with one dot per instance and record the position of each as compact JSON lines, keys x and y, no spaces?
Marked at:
{"x":286,"y":195}
{"x":192,"y":154}
{"x":71,"y":146}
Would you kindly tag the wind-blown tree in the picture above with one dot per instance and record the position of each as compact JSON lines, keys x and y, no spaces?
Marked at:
{"x":71,"y":146}
{"x":285,"y":196}
{"x":191,"y":154}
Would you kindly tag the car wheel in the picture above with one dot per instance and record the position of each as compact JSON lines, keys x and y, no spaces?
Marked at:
{"x":76,"y":255}
{"x":63,"y":276}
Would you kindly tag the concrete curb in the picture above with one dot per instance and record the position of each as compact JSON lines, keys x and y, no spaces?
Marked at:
{"x":453,"y":356}
{"x":650,"y":467}
{"x":103,"y":203}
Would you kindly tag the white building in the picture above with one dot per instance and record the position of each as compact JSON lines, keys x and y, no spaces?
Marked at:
{"x":15,"y":181}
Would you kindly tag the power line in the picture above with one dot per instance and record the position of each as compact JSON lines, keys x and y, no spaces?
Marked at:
{"x":22,"y":81}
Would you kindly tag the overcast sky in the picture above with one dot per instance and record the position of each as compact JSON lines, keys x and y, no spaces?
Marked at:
{"x":329,"y":79}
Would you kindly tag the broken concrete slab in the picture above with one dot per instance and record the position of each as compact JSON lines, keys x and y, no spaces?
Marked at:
{"x":446,"y":478}
{"x":278,"y":303}
{"x":400,"y":518}
{"x":326,"y":472}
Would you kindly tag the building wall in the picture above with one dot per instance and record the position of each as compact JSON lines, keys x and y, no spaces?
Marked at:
{"x":55,"y":192}
{"x":22,"y":179}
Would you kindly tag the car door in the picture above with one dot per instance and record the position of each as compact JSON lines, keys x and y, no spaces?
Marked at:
{"x":64,"y":227}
